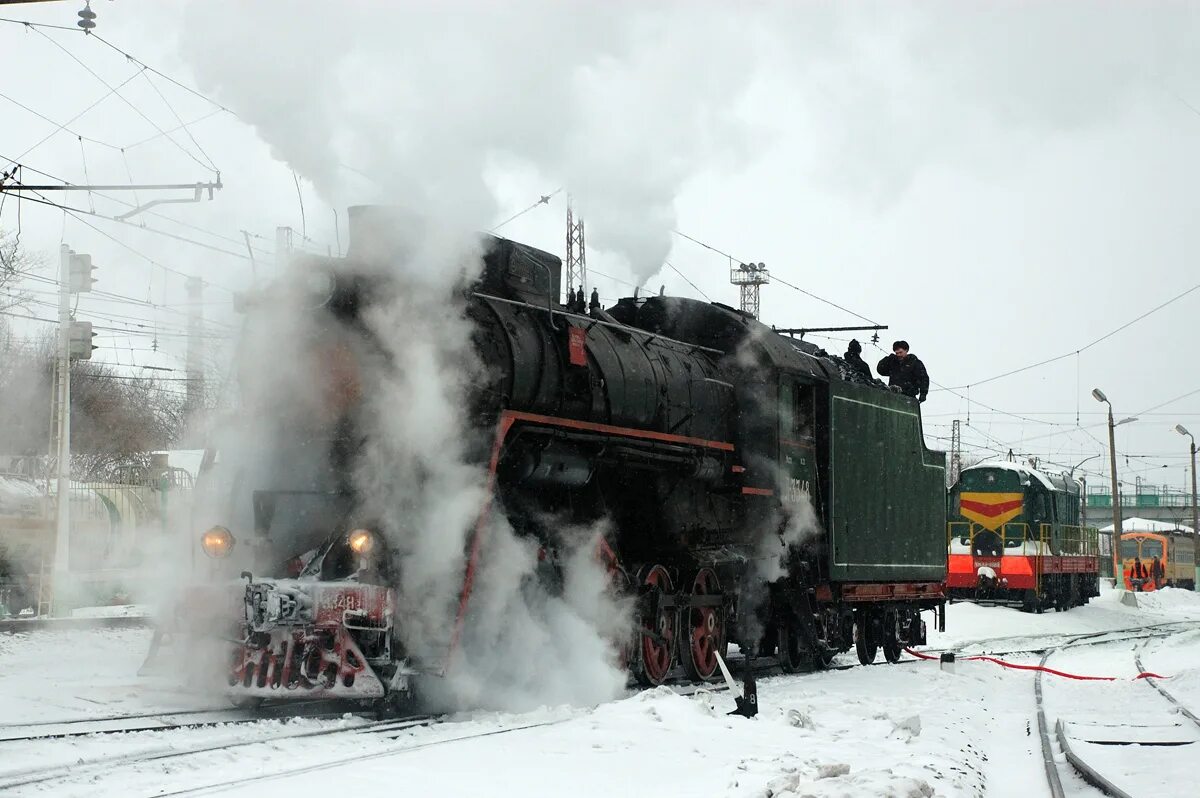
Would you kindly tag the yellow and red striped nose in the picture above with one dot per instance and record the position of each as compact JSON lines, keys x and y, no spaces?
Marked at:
{"x":991,"y":510}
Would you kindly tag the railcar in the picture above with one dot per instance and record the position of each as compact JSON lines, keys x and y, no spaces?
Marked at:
{"x":1175,"y":550}
{"x":694,"y":430}
{"x":1015,"y":538}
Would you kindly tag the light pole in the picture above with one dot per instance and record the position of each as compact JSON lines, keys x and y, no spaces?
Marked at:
{"x":1115,"y":542}
{"x":1083,"y":502}
{"x":1195,"y":526}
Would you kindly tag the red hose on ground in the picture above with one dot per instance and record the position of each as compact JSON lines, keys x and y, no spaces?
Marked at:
{"x":1015,"y":666}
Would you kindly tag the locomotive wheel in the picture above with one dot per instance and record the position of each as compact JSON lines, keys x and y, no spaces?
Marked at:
{"x":705,"y":631}
{"x":656,"y":643}
{"x":864,"y":641}
{"x":891,"y":639}
{"x":791,"y":655}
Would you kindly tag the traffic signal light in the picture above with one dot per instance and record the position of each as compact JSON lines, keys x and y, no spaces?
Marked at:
{"x":80,"y":338}
{"x":80,"y":279}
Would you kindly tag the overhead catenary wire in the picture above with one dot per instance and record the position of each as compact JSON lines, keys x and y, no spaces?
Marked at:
{"x":63,"y":126}
{"x":59,"y":126}
{"x":777,"y":279}
{"x":143,"y":331}
{"x":179,"y":119}
{"x":183,"y":126}
{"x":122,"y":299}
{"x":686,"y":280}
{"x":210,"y":166}
{"x":1086,"y":346}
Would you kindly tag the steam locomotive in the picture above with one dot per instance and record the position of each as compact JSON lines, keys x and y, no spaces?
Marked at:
{"x":757,"y":490}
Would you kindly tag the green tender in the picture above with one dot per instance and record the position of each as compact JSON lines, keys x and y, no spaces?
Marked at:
{"x":887,"y":516}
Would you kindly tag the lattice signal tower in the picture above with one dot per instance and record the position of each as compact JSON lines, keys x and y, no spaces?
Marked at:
{"x":751,"y":277}
{"x":576,"y":253}
{"x":955,"y":451}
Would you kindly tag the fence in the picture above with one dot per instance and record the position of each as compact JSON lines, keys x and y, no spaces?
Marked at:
{"x":1144,"y":496}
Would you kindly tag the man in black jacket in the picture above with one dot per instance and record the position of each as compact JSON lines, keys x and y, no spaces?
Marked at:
{"x":853,"y":357}
{"x":905,"y":372}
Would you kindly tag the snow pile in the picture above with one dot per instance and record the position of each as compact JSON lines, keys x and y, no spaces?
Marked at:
{"x":1170,"y":599}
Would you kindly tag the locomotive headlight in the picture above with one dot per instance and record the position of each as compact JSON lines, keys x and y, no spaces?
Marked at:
{"x":362,"y":542}
{"x":217,"y":542}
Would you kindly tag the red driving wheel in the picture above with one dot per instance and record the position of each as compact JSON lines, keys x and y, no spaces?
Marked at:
{"x":657,"y":644}
{"x":706,"y":631}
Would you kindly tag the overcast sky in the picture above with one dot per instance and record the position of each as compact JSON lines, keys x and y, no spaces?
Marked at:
{"x":999,"y":185}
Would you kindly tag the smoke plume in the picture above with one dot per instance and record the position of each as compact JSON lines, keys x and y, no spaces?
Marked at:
{"x":416,"y":105}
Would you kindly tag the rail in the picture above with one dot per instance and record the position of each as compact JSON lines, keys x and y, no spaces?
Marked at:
{"x":1089,"y":771}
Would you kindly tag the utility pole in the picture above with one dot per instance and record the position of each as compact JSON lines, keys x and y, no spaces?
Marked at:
{"x":1099,"y":396}
{"x":74,"y":341}
{"x":62,"y":539}
{"x":1116,"y":499}
{"x":1195,"y":511}
{"x":195,"y":347}
{"x":576,"y":251}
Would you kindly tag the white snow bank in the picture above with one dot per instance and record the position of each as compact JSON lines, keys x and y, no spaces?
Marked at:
{"x":1147,"y":525}
{"x":1169,"y":598}
{"x":117,"y":611}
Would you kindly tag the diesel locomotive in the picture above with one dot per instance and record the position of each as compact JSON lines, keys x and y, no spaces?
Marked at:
{"x":1015,"y":538}
{"x":708,"y":443}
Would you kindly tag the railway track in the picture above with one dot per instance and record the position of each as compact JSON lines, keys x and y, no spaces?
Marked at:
{"x":15,"y":780}
{"x":168,"y":720}
{"x":354,"y":758}
{"x":1124,"y":760}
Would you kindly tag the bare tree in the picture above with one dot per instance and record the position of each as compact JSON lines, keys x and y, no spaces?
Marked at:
{"x":15,"y":264}
{"x":116,"y":420}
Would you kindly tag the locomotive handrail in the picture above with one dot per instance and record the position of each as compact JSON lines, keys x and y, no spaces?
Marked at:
{"x":1072,"y":540}
{"x":622,"y":327}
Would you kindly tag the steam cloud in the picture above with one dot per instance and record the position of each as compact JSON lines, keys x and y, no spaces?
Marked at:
{"x":619,"y":106}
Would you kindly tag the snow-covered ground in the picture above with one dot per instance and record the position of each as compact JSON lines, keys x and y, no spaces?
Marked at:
{"x":905,"y":730}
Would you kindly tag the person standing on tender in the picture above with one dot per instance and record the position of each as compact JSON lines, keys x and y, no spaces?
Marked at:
{"x":905,"y":372}
{"x":853,"y":357}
